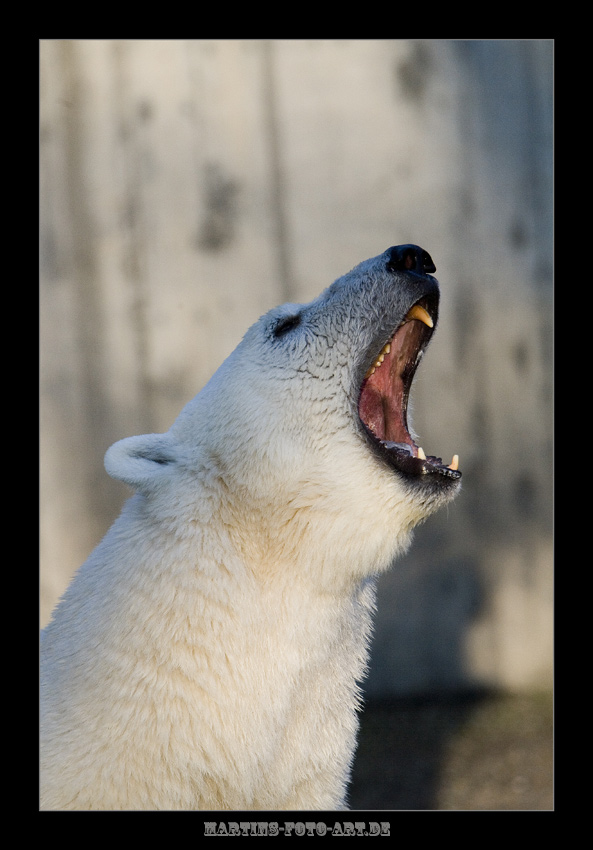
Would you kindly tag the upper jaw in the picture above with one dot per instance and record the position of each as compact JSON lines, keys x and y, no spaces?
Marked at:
{"x":384,"y":390}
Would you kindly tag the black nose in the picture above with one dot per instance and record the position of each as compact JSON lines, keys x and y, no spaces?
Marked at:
{"x":409,"y":258}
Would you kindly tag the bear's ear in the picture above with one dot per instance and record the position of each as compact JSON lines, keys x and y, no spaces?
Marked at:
{"x":141,"y":462}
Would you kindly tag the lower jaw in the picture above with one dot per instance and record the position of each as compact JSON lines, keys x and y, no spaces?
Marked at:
{"x":412,"y":460}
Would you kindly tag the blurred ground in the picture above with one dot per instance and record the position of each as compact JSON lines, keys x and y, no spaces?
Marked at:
{"x":474,"y":752}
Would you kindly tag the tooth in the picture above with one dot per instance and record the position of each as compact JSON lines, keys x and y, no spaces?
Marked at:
{"x":421,"y":454}
{"x":385,"y":350}
{"x":418,"y":312}
{"x":454,"y":463}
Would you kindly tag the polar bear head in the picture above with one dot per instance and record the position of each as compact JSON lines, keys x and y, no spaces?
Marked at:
{"x":299,"y":443}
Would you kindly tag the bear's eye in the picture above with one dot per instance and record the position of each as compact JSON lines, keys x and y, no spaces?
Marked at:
{"x":286,"y":324}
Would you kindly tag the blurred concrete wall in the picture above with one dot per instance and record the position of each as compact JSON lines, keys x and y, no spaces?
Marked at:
{"x":188,"y":186}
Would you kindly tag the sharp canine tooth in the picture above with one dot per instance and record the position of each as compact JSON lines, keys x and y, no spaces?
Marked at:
{"x":454,"y":463}
{"x":421,"y":454}
{"x":418,"y":312}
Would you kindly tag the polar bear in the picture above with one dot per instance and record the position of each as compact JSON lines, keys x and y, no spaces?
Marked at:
{"x":209,"y":653}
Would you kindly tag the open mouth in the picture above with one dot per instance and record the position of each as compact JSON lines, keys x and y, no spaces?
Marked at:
{"x":383,"y":401}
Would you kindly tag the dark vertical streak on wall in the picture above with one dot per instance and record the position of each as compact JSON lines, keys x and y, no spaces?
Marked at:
{"x":278,"y":191}
{"x":132,"y":224}
{"x":87,"y":307}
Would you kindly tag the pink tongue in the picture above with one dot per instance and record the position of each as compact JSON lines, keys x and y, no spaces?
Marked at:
{"x":380,"y":404}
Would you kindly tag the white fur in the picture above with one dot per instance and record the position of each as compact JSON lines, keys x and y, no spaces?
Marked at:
{"x":208,"y":653}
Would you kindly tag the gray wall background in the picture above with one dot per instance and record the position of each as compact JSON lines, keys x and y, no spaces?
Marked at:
{"x":188,"y":186}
